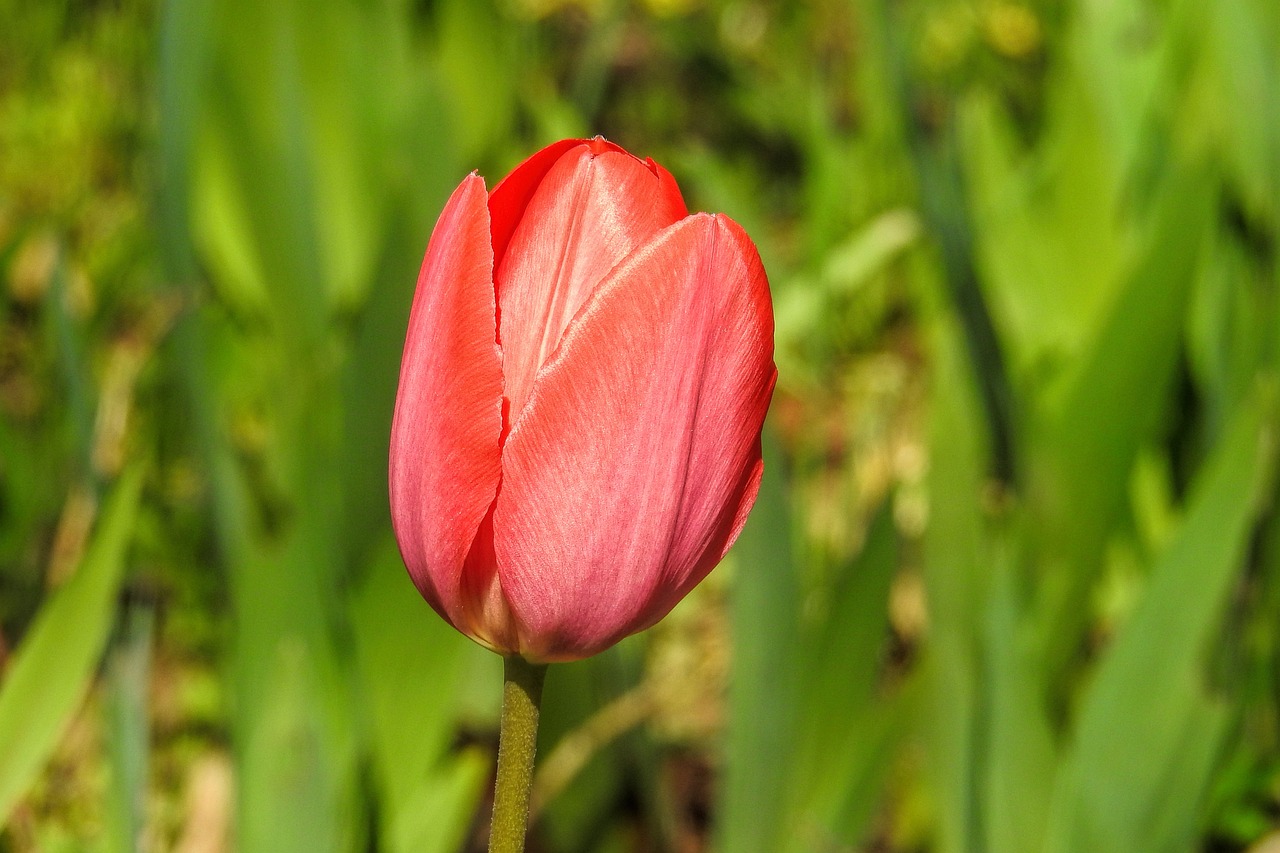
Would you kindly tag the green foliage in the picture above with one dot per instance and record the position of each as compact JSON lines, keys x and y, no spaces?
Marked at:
{"x":1149,"y":730}
{"x":764,"y":698}
{"x":53,"y":668}
{"x":1011,"y":583}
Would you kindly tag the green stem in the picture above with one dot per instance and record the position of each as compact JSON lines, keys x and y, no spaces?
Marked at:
{"x":517,"y":744}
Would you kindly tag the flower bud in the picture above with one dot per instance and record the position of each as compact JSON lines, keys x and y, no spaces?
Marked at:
{"x":576,"y":440}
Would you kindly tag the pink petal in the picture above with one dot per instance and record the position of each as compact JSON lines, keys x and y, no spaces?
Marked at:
{"x":591,"y":209}
{"x":445,"y":457}
{"x":631,"y":470}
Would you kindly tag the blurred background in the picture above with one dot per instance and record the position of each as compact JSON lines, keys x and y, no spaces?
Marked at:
{"x":1013,"y":580}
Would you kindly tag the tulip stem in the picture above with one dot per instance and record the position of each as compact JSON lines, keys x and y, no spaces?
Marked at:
{"x":517,"y":744}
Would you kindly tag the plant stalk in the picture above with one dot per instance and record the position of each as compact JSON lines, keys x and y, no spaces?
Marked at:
{"x":517,"y":745}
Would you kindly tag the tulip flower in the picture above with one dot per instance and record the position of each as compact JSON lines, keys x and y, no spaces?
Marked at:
{"x":576,"y":440}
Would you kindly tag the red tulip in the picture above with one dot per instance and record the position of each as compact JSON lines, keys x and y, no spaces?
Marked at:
{"x":576,"y":441}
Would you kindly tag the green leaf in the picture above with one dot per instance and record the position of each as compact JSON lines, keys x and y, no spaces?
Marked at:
{"x":842,"y":656}
{"x":1120,"y":72}
{"x":409,"y":665}
{"x":1237,"y":46}
{"x":54,"y":666}
{"x":848,"y":728}
{"x":1148,"y":730}
{"x":1050,"y":238}
{"x":574,"y":693}
{"x":762,"y":687}
{"x":1019,"y":758}
{"x":840,"y":801}
{"x":437,"y":814}
{"x":955,"y":553}
{"x":293,"y":729}
{"x":127,"y":722}
{"x":1086,"y":437}
{"x":289,"y":761}
{"x":475,"y":58}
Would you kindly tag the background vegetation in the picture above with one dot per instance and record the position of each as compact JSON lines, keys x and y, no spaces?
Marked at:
{"x":1013,"y":581}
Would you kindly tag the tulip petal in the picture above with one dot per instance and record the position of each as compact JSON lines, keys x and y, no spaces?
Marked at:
{"x":591,"y":209}
{"x":445,"y":456}
{"x":511,"y":196}
{"x":633,"y":466}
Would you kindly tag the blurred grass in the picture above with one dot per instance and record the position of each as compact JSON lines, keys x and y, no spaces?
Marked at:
{"x":1012,"y":582}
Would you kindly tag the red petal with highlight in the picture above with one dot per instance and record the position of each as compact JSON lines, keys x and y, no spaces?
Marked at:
{"x":595,"y":206}
{"x":511,"y":196}
{"x":631,"y":469}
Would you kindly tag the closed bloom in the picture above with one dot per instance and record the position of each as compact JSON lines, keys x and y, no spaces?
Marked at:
{"x":576,"y":441}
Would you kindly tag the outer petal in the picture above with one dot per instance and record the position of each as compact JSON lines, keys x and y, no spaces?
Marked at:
{"x":445,"y":458}
{"x":631,"y":470}
{"x":591,"y":209}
